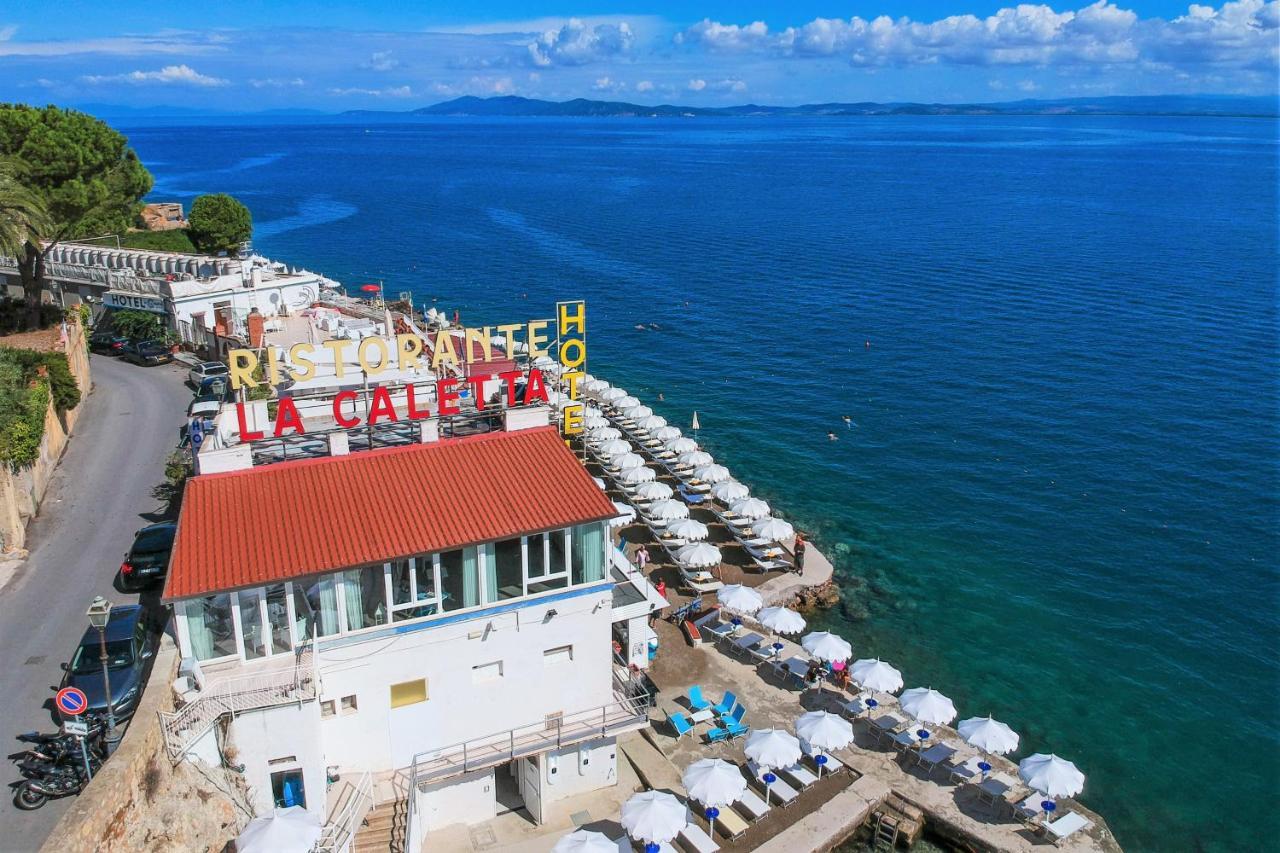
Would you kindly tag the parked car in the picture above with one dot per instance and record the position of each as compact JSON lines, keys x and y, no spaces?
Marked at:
{"x":204,"y":370}
{"x":107,"y":343}
{"x":129,"y":647}
{"x":215,"y":385}
{"x":204,"y":406}
{"x":147,"y":563}
{"x":148,"y":353}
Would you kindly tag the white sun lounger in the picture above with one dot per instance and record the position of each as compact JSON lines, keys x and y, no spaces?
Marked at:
{"x":966,"y":772}
{"x":1064,"y":827}
{"x":833,"y":764}
{"x":730,"y":824}
{"x":751,"y":805}
{"x":779,"y":790}
{"x":799,"y":774}
{"x":697,"y":839}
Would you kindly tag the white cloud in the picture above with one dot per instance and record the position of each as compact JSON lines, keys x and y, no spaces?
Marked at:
{"x":1028,"y":86}
{"x":166,"y":42}
{"x":578,"y":43}
{"x":7,"y":32}
{"x":381,"y":60}
{"x":608,"y":84}
{"x":388,"y":92}
{"x":696,"y":85}
{"x":278,"y":83}
{"x":169,"y":75}
{"x":1241,"y":33}
{"x":729,"y":85}
{"x":644,"y":86}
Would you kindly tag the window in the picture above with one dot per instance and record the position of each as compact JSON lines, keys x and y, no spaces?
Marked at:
{"x":315,"y":607}
{"x":250,"y":607}
{"x":210,"y":631}
{"x":412,"y":588}
{"x":278,"y":619}
{"x":348,"y":704}
{"x":546,"y":562}
{"x":287,"y":789}
{"x":486,"y":672}
{"x":408,"y":693}
{"x":364,"y":597}
{"x":326,"y":709}
{"x":508,"y":569}
{"x":452,"y":586}
{"x":587,"y":553}
{"x":560,"y":654}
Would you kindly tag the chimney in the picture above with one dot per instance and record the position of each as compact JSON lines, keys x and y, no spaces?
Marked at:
{"x":255,"y":322}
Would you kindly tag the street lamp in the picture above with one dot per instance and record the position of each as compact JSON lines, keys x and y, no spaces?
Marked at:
{"x":99,"y":614}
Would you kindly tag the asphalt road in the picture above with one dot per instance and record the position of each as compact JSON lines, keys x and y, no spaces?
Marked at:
{"x":99,"y":497}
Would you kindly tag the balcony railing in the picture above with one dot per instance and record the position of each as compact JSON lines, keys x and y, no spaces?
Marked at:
{"x":338,"y":834}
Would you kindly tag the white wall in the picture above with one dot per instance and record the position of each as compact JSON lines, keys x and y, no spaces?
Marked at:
{"x":294,"y":294}
{"x":577,"y":770}
{"x":468,"y":800}
{"x":457,"y":709}
{"x":260,"y":737}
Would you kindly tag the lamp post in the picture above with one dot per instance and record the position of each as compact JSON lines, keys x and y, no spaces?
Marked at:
{"x":99,"y":614}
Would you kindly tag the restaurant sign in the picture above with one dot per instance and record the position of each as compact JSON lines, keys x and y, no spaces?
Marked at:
{"x":450,"y":349}
{"x":122,"y":299}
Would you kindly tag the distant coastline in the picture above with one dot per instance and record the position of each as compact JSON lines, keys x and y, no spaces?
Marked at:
{"x":513,"y":106}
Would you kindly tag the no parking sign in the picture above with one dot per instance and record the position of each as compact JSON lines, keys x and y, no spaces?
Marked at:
{"x":71,"y":701}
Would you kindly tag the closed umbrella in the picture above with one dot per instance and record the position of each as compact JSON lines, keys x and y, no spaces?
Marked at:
{"x":826,"y":646}
{"x":712,"y":473}
{"x":666,"y":433}
{"x":773,"y":529}
{"x":751,"y":508}
{"x":668,"y":510}
{"x":728,"y":491}
{"x":289,"y":830}
{"x":626,"y":515}
{"x":1051,"y":775}
{"x":696,"y":458}
{"x":652,"y":422}
{"x":653,"y":491}
{"x":875,"y":674}
{"x":739,"y":598}
{"x":688,"y":528}
{"x":771,"y":749}
{"x":681,"y":444}
{"x":927,"y":705}
{"x":604,"y":433}
{"x":654,"y":817}
{"x":699,"y":555}
{"x":780,"y":620}
{"x":633,"y":476}
{"x":585,"y":841}
{"x":715,"y":783}
{"x":623,"y":461}
{"x":824,"y":731}
{"x":989,"y":735}
{"x":611,"y":394}
{"x":614,"y":447}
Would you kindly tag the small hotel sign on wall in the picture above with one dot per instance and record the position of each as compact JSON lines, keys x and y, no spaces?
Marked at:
{"x":135,"y":301}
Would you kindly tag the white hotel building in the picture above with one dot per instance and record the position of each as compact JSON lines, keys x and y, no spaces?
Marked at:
{"x":432,"y":620}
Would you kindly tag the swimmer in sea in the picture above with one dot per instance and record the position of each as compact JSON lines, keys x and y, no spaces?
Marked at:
{"x":848,"y":421}
{"x":660,"y":397}
{"x":832,"y":436}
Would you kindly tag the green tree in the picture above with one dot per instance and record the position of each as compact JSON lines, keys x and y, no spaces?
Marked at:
{"x":219,"y":223}
{"x":22,"y":214}
{"x":136,"y":325}
{"x":88,"y":178}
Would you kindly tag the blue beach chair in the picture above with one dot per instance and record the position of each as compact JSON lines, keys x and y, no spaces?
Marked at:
{"x":726,"y":704}
{"x":734,"y":724}
{"x":680,"y":724}
{"x":696,"y":700}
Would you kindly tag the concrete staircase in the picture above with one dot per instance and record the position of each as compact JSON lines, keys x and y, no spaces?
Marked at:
{"x":383,"y":829}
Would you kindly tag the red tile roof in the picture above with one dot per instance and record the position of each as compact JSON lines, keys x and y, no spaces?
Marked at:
{"x":262,"y":525}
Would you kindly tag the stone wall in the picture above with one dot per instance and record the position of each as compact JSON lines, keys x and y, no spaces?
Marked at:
{"x":140,"y":800}
{"x":21,"y":491}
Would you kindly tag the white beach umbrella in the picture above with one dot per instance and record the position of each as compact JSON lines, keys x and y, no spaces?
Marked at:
{"x":927,"y":705}
{"x":988,"y":735}
{"x":666,"y":433}
{"x":590,"y":411}
{"x":688,"y":528}
{"x":599,"y":483}
{"x":637,"y":413}
{"x":772,"y":748}
{"x":652,"y":422}
{"x":1051,"y":775}
{"x":699,"y":555}
{"x":739,"y":598}
{"x":715,"y":783}
{"x":634,"y":476}
{"x":875,"y":674}
{"x":653,"y":491}
{"x":596,"y":421}
{"x":290,"y":830}
{"x":593,"y":385}
{"x":824,"y":731}
{"x":780,"y":620}
{"x":585,"y":841}
{"x":614,"y":447}
{"x":611,"y":394}
{"x":668,"y":510}
{"x":626,"y":515}
{"x":543,"y":361}
{"x":696,"y":458}
{"x":773,"y":529}
{"x":752,"y":508}
{"x":712,"y":474}
{"x":826,"y":646}
{"x":604,"y":433}
{"x":653,"y":816}
{"x":587,"y":377}
{"x":728,"y":491}
{"x":626,"y":401}
{"x":681,"y":444}
{"x":623,"y":461}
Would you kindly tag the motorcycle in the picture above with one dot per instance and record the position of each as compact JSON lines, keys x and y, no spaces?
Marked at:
{"x":50,"y":783}
{"x":32,"y":766}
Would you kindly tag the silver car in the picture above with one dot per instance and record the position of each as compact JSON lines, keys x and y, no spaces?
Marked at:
{"x":204,"y":370}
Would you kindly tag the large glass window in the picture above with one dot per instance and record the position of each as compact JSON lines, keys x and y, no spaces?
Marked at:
{"x":508,"y":570}
{"x":364,"y":597}
{"x":209,"y":627}
{"x":546,"y":562}
{"x":587,"y":553}
{"x":315,"y":607}
{"x":452,"y":591}
{"x":249,"y":602}
{"x":278,"y":619}
{"x":413,"y":588}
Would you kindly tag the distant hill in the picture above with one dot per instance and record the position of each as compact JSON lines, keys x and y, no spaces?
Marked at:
{"x":513,"y":105}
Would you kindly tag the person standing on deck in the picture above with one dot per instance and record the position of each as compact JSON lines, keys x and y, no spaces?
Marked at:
{"x":642,"y":558}
{"x":799,"y":549}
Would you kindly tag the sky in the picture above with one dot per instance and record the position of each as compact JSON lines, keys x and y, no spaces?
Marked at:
{"x":247,"y":56}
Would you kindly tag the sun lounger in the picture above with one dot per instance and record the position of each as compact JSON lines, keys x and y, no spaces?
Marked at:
{"x":680,"y":724}
{"x":696,"y":700}
{"x":795,"y":667}
{"x":691,"y":497}
{"x":742,"y":645}
{"x":779,"y":791}
{"x":832,"y":765}
{"x":697,"y":840}
{"x":966,"y":771}
{"x":1029,"y":809}
{"x":730,"y":824}
{"x":725,"y":705}
{"x":763,"y":653}
{"x":718,"y":629}
{"x":751,"y":806}
{"x":799,"y":774}
{"x":931,"y":758}
{"x":1064,"y":827}
{"x":855,"y":707}
{"x":993,"y":789}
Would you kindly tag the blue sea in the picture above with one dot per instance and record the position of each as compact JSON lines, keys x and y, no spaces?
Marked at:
{"x":1056,"y":339}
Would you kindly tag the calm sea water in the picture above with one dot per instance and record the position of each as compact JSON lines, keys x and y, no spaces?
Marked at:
{"x":1057,"y":501}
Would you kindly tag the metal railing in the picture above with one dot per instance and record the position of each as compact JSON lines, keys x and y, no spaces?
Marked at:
{"x":236,"y":695}
{"x":339,"y":833}
{"x":624,"y":713}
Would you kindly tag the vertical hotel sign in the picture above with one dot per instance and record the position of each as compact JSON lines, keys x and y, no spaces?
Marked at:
{"x":571,"y":330}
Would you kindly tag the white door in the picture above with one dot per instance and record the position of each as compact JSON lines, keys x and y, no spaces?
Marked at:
{"x":531,"y":786}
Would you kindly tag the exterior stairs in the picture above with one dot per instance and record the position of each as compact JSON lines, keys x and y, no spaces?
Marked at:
{"x":383,"y":829}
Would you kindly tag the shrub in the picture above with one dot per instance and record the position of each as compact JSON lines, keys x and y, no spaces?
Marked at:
{"x":219,"y":223}
{"x":177,"y":240}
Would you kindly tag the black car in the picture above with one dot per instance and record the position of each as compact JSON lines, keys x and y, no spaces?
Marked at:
{"x":147,"y":563}
{"x":108,"y":343}
{"x":148,"y":353}
{"x":129,"y":646}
